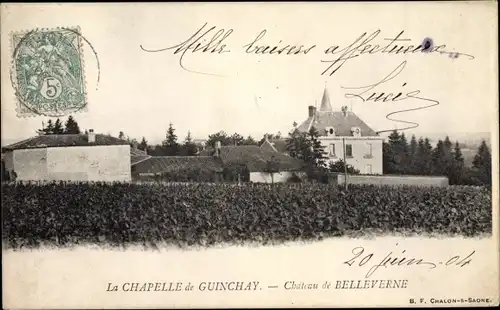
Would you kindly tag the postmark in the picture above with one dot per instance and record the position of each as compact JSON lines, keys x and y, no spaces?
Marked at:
{"x":48,"y":72}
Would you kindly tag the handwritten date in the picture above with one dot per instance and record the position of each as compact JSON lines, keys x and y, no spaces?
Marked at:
{"x":360,"y":259}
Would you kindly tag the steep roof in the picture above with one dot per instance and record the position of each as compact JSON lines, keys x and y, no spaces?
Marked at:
{"x":157,"y":164}
{"x":255,"y":158}
{"x":342,"y":124}
{"x":325,"y":102}
{"x":63,"y":141}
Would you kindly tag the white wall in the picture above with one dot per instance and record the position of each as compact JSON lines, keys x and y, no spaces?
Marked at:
{"x":265,"y":177}
{"x":360,"y":150}
{"x":78,"y":163}
{"x":437,"y":181}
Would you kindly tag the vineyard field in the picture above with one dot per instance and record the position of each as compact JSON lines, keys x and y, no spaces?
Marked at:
{"x":65,"y":214}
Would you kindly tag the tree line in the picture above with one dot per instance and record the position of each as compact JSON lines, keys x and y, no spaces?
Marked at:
{"x":417,"y":157}
{"x":58,"y":128}
{"x":170,"y":146}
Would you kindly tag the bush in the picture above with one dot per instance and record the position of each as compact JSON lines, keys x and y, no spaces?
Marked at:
{"x":340,"y":167}
{"x":295,"y":178}
{"x":201,"y":213}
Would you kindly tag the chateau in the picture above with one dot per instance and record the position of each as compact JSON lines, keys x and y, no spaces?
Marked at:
{"x":344,"y":129}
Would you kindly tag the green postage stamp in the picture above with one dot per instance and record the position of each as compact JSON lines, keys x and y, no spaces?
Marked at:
{"x":47,"y":72}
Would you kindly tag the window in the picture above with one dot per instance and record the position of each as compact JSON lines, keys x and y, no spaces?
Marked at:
{"x":368,"y":169}
{"x":332,"y":150}
{"x":356,"y":131}
{"x":330,"y":131}
{"x":348,"y":150}
{"x":370,"y":148}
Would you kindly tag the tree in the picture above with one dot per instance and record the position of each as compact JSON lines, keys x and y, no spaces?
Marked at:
{"x":413,"y":159}
{"x":218,"y":136}
{"x":423,"y":160}
{"x":272,"y":167}
{"x":482,"y":163}
{"x":121,"y":135}
{"x":250,"y":141}
{"x":236,"y":139}
{"x":391,"y":158}
{"x":438,"y":159}
{"x":404,"y":152}
{"x":427,"y":159}
{"x":189,"y":148}
{"x":170,"y":144}
{"x":448,"y":146}
{"x":58,"y":127}
{"x":297,"y":145}
{"x":307,"y":148}
{"x":143,"y":145}
{"x":458,"y":168}
{"x":71,"y":126}
{"x":339,"y":167}
{"x":318,"y":154}
{"x":50,"y":127}
{"x":157,"y":150}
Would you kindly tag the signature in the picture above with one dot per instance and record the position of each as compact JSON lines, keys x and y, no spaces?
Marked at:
{"x":200,"y":41}
{"x":361,"y":47}
{"x":390,"y":260}
{"x":367,"y":94}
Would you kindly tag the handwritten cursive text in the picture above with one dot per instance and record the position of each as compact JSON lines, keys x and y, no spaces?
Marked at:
{"x":198,"y":42}
{"x":361,"y":47}
{"x":253,"y":48}
{"x":368,"y":94}
{"x":360,"y":259}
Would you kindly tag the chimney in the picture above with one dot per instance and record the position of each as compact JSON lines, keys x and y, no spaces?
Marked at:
{"x":344,"y":111}
{"x":311,"y":111}
{"x":217,"y":148}
{"x":91,"y":136}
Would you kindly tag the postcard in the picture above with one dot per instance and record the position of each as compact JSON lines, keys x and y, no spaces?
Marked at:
{"x":224,"y":155}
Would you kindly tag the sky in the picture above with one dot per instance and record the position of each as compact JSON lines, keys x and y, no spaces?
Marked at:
{"x":141,"y":92}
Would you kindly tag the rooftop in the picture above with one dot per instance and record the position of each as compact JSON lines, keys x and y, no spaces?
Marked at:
{"x":158,"y":164}
{"x":255,"y":158}
{"x":276,"y":145}
{"x":67,"y":140}
{"x":341,"y":121}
